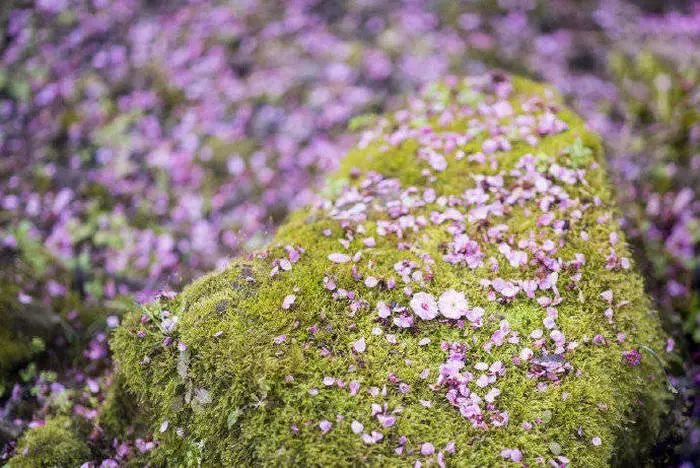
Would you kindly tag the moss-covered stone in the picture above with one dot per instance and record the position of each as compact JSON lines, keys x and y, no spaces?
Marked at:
{"x":52,"y":445}
{"x":314,"y":353}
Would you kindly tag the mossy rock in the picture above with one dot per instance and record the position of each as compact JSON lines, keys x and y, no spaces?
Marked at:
{"x":327,"y":349}
{"x":52,"y":445}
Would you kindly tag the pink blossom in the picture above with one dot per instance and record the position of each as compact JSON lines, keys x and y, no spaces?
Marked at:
{"x":475,"y":315}
{"x":512,"y":454}
{"x":525,"y":354}
{"x":280,"y":339}
{"x":492,"y":394}
{"x":453,"y":304}
{"x":670,"y":344}
{"x":383,"y":310}
{"x":507,"y":289}
{"x":403,"y":321}
{"x":437,"y":161}
{"x":463,"y":249}
{"x":386,"y":420}
{"x":514,"y":257}
{"x":424,"y":306}
{"x":371,"y":281}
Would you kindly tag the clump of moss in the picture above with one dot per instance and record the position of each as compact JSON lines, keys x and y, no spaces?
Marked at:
{"x":461,"y":293}
{"x":52,"y":445}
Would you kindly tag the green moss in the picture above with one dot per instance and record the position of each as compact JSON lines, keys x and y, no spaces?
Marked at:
{"x":235,"y":396}
{"x":52,"y":445}
{"x":11,"y":352}
{"x":118,"y":413}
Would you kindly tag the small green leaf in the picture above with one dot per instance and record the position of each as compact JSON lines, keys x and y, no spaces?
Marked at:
{"x":334,"y":187}
{"x":580,"y":154}
{"x":555,"y":448}
{"x":419,"y":122}
{"x":38,"y":345}
{"x":546,"y":416}
{"x":469,"y":97}
{"x":362,"y":122}
{"x":542,"y":162}
{"x":183,"y":364}
{"x":28,"y":373}
{"x":233,"y":417}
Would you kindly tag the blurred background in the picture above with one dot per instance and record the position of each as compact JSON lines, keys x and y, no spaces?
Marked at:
{"x":145,"y":142}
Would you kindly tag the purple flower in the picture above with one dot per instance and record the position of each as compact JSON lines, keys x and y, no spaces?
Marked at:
{"x":386,"y":420}
{"x":357,"y":427}
{"x":632,"y":357}
{"x":403,"y":321}
{"x":512,"y":454}
{"x":325,"y":426}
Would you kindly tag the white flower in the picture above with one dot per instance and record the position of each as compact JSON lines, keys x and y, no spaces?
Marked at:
{"x":339,"y":258}
{"x":357,"y":427}
{"x":492,"y":395}
{"x":288,"y":301}
{"x":453,"y":304}
{"x":360,"y":345}
{"x":424,"y":305}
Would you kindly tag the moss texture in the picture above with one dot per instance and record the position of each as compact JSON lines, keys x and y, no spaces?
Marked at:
{"x":52,"y":445}
{"x":304,"y":354}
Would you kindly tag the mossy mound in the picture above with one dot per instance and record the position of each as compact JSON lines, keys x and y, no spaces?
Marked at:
{"x":52,"y":445}
{"x":461,"y":295}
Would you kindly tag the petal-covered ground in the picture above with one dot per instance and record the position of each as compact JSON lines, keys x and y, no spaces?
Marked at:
{"x":144,"y":143}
